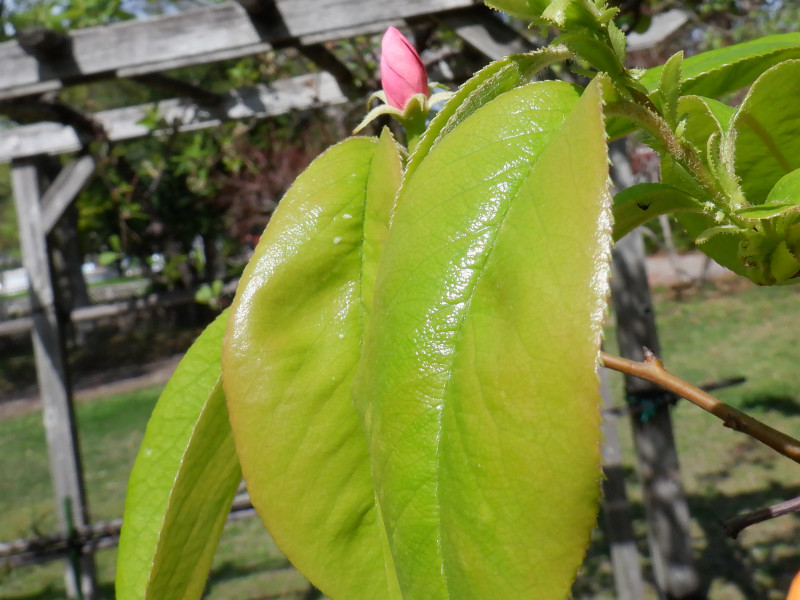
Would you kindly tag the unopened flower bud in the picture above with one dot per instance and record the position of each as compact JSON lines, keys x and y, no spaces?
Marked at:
{"x":402,"y":73}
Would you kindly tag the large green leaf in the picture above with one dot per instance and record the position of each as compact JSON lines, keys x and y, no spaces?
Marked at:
{"x":717,"y":72}
{"x":290,"y":351}
{"x":182,"y":483}
{"x":767,"y":128}
{"x":477,"y":384}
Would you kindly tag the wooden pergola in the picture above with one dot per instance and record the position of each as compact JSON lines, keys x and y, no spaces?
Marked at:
{"x":39,"y":63}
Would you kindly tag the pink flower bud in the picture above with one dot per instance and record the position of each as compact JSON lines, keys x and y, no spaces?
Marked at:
{"x":402,"y":71}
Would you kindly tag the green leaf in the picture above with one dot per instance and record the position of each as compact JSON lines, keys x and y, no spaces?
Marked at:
{"x":787,"y":190}
{"x":640,"y":203}
{"x":669,"y":88}
{"x":574,"y":14}
{"x":720,"y":243}
{"x":477,"y":385}
{"x":292,"y":345}
{"x":782,"y":198}
{"x":728,"y":69}
{"x":767,"y":126}
{"x":182,"y":483}
{"x":594,"y":51}
{"x":702,"y":118}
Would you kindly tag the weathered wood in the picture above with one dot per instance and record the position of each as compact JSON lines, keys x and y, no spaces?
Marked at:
{"x":305,"y":91}
{"x":65,"y":187}
{"x":666,"y":509}
{"x":51,"y":370}
{"x":616,"y":508}
{"x":199,"y":36}
{"x":479,"y":28}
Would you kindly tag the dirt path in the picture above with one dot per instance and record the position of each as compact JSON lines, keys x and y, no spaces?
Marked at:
{"x":113,"y":381}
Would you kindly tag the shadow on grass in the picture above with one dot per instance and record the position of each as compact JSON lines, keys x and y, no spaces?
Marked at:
{"x":785,"y":405}
{"x":760,"y":564}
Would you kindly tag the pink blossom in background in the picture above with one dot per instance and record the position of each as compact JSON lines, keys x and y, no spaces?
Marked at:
{"x":402,"y":71}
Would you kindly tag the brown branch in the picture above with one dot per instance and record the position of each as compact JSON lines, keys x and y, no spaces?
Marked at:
{"x":733,"y":526}
{"x":652,"y":369}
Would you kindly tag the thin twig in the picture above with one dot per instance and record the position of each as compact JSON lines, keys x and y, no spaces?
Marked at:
{"x":734,"y":525}
{"x":652,"y":369}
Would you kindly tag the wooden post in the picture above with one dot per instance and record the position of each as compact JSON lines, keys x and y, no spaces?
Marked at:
{"x":51,"y":370}
{"x":616,"y":508}
{"x":666,"y":509}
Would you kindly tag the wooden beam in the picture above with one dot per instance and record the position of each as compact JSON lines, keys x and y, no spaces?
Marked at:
{"x":625,"y":562}
{"x":199,"y":36}
{"x":65,"y":187}
{"x":51,"y":370}
{"x":479,"y":28}
{"x":305,"y":91}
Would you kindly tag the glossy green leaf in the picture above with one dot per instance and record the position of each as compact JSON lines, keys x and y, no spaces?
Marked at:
{"x":767,"y":126}
{"x":478,"y":383}
{"x":718,"y":72}
{"x":182,"y":483}
{"x":643,"y":202}
{"x":290,"y":351}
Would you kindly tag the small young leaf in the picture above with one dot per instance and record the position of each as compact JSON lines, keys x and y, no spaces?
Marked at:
{"x":640,"y":203}
{"x":669,"y":88}
{"x":478,"y":384}
{"x":702,"y":118}
{"x":767,"y":125}
{"x":784,"y":197}
{"x":290,"y":351}
{"x":182,"y":483}
{"x":618,"y":41}
{"x":787,"y":190}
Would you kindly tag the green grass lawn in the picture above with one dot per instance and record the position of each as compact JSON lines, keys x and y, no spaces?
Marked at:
{"x":714,"y":334}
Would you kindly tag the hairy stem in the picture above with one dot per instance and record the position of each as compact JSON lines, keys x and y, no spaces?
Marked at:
{"x":652,"y":369}
{"x":657,"y":126}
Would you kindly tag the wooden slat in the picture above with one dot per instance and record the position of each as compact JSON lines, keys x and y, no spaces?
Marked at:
{"x":51,"y":370}
{"x":200,"y":36}
{"x":666,"y":508}
{"x":65,"y":187}
{"x":485,"y":32}
{"x":301,"y":92}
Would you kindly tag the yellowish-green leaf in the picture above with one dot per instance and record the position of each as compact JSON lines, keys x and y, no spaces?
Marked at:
{"x":182,"y":484}
{"x":478,"y":383}
{"x":290,"y":352}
